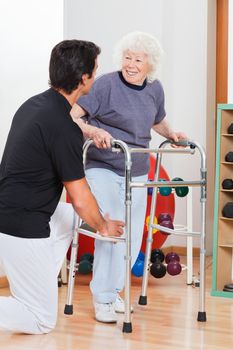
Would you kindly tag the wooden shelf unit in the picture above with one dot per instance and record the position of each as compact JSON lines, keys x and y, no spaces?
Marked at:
{"x":223,"y":227}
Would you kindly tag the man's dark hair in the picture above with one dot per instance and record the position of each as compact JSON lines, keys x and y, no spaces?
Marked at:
{"x":69,"y":60}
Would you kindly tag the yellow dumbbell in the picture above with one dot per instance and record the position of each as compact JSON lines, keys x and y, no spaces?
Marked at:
{"x":154,"y":222}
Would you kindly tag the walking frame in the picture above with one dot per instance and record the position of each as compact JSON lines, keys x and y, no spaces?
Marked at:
{"x":82,"y":228}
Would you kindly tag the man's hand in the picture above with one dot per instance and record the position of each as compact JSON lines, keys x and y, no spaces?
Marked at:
{"x":112,"y":227}
{"x":101,"y":138}
{"x":87,"y":208}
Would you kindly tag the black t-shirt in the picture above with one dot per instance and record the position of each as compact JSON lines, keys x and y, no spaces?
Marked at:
{"x":43,"y":149}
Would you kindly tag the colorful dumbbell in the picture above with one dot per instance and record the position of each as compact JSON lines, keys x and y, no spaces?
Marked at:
{"x":173,"y":264}
{"x":138,"y":267}
{"x":157,"y":268}
{"x":181,"y":191}
{"x":85,"y":264}
{"x":165,"y":191}
{"x":165,"y":219}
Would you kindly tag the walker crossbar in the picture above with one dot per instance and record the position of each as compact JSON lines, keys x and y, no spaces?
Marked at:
{"x":175,"y":232}
{"x":80,"y":228}
{"x":168,"y":183}
{"x":159,"y":150}
{"x":96,"y":235}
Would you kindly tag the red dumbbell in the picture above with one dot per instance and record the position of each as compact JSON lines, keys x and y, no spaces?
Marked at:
{"x":173,"y":264}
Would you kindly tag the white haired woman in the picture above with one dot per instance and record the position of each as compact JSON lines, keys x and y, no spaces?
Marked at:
{"x":124,"y":105}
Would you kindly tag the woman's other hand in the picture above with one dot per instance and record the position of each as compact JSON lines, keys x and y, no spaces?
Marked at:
{"x":176,"y":137}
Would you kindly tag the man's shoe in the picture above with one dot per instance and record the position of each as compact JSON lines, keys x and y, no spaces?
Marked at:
{"x":105,"y":313}
{"x":120,"y":305}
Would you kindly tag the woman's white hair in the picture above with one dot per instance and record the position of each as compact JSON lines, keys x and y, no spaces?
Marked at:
{"x":140,"y":42}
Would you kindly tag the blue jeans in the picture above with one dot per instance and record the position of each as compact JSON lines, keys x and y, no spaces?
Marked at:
{"x":109,"y":266}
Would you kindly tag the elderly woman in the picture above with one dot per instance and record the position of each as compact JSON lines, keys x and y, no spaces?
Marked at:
{"x":124,"y":105}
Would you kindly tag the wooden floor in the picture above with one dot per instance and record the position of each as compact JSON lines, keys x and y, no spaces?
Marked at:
{"x":168,"y":322}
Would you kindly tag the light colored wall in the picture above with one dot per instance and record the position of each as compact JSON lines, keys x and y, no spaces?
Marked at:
{"x":182,"y":28}
{"x":28,"y":31}
{"x":184,"y":78}
{"x":104,"y":22}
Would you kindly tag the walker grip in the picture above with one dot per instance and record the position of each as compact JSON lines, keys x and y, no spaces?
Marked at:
{"x":183,"y":143}
{"x":115,"y":146}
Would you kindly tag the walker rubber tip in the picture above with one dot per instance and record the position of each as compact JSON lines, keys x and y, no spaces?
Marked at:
{"x":142,"y":300}
{"x":68,"y":310}
{"x":127,"y":327}
{"x":201,"y":316}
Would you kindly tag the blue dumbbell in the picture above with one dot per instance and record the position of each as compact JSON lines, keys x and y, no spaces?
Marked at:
{"x":141,"y":256}
{"x":138,"y":267}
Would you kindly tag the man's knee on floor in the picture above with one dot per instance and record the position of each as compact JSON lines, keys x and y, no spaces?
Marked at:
{"x":46,"y":322}
{"x":46,"y":326}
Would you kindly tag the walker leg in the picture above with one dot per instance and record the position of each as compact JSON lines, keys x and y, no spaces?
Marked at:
{"x":127,"y":327}
{"x":143,"y":297}
{"x":68,"y":310}
{"x":189,"y":276}
{"x":149,"y":241}
{"x":202,"y":314}
{"x":142,"y":300}
{"x":201,"y":317}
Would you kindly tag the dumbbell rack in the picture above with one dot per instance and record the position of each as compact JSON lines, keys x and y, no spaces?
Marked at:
{"x":188,"y":226}
{"x":190,"y":279}
{"x":78,"y":228}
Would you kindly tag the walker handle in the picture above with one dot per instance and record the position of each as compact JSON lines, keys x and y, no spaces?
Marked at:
{"x":183,"y":143}
{"x":115,"y":146}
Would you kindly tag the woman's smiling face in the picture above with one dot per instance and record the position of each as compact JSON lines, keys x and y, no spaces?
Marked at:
{"x":135,"y":67}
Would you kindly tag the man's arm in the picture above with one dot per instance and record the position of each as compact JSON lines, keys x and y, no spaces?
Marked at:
{"x":163,"y":128}
{"x":100,"y":137}
{"x":85,"y":204}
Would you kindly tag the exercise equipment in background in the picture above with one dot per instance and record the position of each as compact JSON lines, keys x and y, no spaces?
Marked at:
{"x":159,"y":264}
{"x":85,"y":264}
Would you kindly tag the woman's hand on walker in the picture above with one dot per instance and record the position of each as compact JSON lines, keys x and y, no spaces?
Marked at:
{"x":176,"y":137}
{"x":101,"y":138}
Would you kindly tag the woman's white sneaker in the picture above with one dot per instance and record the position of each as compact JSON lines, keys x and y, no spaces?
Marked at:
{"x":105,"y":312}
{"x":120,"y":305}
